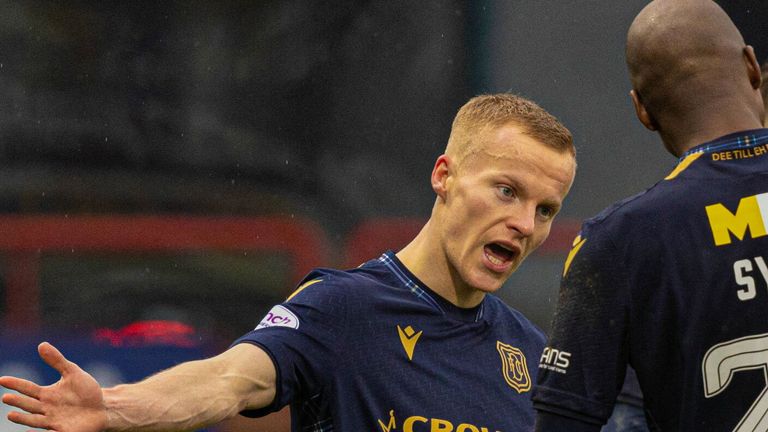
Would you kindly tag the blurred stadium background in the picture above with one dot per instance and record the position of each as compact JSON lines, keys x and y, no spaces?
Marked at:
{"x":169,"y":169}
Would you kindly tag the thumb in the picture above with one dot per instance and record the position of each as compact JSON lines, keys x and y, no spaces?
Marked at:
{"x":54,"y":358}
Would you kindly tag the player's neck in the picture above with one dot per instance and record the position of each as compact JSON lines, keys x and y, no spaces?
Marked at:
{"x":424,"y":257}
{"x":680,"y":139}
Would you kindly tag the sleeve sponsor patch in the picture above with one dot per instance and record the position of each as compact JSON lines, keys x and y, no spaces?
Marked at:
{"x":279,"y":316}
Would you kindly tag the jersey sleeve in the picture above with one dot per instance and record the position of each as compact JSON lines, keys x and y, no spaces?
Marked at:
{"x":303,"y":336}
{"x":583,"y":366}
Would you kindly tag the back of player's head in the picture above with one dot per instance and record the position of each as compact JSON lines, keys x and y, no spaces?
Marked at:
{"x":683,"y":55}
{"x":486,"y":112}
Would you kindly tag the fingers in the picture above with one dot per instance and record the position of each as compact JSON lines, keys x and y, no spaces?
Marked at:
{"x":27,"y":401}
{"x":28,"y":404}
{"x":54,"y":358}
{"x":31,"y":420}
{"x":21,"y":385}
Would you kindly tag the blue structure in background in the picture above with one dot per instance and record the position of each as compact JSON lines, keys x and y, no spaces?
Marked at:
{"x":127,"y":355}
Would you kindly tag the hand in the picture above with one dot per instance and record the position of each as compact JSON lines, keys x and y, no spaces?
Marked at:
{"x":73,"y":404}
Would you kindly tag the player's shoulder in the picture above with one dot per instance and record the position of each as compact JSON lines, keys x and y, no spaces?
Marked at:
{"x":632,"y":213}
{"x":326,"y":282}
{"x":499,"y":313}
{"x":615,"y":212}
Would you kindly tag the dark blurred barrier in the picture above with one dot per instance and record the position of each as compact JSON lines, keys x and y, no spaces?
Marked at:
{"x":24,"y":239}
{"x":371,"y":237}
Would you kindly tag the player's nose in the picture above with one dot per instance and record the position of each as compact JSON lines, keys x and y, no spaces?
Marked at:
{"x":522,"y":219}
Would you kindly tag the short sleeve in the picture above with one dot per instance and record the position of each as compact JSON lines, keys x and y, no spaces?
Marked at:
{"x":303,"y":336}
{"x":583,"y":366}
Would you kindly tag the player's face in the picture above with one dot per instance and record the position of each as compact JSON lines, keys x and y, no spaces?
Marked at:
{"x":500,"y":203}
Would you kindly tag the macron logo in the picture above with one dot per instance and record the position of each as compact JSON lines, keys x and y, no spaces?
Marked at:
{"x":279,"y":317}
{"x":408,"y":338}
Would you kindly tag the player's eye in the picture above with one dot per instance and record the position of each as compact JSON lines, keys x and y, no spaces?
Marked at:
{"x":545,"y":212}
{"x":506,"y":192}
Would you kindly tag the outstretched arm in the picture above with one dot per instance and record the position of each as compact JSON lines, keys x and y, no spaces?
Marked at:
{"x":187,"y":396}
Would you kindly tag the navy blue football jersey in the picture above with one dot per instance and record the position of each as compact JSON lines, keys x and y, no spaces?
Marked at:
{"x":373,"y":349}
{"x":673,"y":281}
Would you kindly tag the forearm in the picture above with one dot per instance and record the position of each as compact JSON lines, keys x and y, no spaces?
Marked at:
{"x":189,"y":396}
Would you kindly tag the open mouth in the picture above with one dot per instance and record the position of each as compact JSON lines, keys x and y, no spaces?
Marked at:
{"x":498,"y":254}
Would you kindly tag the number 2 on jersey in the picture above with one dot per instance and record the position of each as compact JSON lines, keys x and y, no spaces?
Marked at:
{"x":726,"y":358}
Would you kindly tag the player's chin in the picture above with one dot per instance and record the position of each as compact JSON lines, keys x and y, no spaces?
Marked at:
{"x":489,"y":282}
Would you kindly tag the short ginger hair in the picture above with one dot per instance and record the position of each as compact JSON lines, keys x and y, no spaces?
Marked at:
{"x":485,"y":112}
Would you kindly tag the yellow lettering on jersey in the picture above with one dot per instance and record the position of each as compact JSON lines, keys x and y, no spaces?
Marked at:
{"x":408,"y":423}
{"x":408,"y":338}
{"x":301,"y":288}
{"x":683,"y":165}
{"x":743,"y":153}
{"x":440,"y":425}
{"x":389,"y":426}
{"x":752,"y":213}
{"x":578,"y":242}
{"x":417,"y":423}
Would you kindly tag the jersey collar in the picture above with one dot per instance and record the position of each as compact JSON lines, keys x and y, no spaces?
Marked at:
{"x":736,"y":140}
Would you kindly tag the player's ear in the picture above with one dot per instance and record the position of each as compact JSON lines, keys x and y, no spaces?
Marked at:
{"x":440,"y":174}
{"x":753,"y":67}
{"x":642,"y":114}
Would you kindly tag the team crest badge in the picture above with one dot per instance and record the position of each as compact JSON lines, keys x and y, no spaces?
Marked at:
{"x":514,"y":367}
